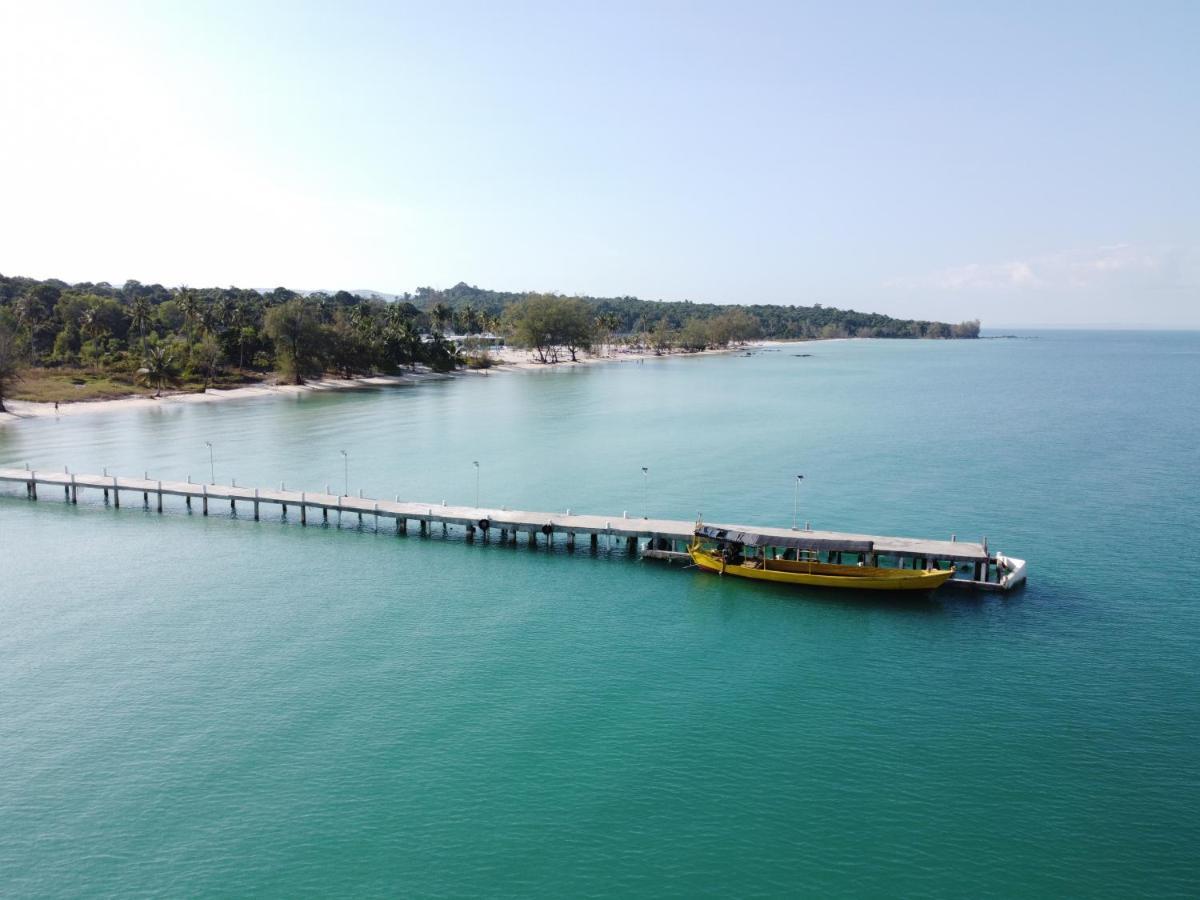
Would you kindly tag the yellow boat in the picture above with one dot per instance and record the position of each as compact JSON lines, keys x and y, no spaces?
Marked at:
{"x":730,"y":557}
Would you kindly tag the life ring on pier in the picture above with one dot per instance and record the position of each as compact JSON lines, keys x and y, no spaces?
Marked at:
{"x":547,"y":529}
{"x":484,"y":524}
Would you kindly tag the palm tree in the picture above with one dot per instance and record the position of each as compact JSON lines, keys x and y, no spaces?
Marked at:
{"x":222,"y":310}
{"x":238,"y":318}
{"x":27,"y":315}
{"x":442,"y":354}
{"x":410,"y":343}
{"x":190,"y":307}
{"x":139,"y":317}
{"x":160,"y":371}
{"x":440,"y":315}
{"x":468,"y":320}
{"x":210,"y":321}
{"x":606,"y":325}
{"x":362,"y":321}
{"x":395,"y":316}
{"x":93,"y":328}
{"x":11,"y":363}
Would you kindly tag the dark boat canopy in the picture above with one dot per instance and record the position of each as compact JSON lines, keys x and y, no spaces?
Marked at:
{"x":797,"y":542}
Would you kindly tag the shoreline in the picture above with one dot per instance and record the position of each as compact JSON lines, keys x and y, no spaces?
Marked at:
{"x":506,"y":360}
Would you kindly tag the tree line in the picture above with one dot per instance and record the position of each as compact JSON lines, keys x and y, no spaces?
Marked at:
{"x":631,"y":315}
{"x":170,"y":336}
{"x":165,"y":337}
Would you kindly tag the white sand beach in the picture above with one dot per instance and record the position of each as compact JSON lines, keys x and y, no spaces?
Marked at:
{"x":507,"y":359}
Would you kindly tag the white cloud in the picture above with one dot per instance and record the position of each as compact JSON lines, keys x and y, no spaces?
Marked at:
{"x":1100,"y":267}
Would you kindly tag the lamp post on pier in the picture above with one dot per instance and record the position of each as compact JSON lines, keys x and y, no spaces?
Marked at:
{"x":346,"y":471}
{"x":796,"y":503}
{"x":645,"y":492}
{"x":212,"y":472}
{"x":476,"y":465}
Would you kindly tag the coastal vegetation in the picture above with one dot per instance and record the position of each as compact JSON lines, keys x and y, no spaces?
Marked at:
{"x":61,"y":341}
{"x":10,"y":362}
{"x":632,"y":316}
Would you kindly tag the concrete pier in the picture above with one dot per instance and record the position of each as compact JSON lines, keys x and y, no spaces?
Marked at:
{"x":652,"y":538}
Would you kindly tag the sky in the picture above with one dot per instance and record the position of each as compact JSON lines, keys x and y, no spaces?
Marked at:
{"x":1024,"y":164}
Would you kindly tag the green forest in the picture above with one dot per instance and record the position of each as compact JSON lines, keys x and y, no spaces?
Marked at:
{"x":634,"y":316}
{"x":62,"y":341}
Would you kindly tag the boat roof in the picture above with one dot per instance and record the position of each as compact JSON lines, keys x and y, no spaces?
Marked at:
{"x":798,"y":541}
{"x":964,"y":551}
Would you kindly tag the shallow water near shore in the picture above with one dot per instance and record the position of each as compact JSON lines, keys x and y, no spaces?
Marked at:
{"x":202,"y":706}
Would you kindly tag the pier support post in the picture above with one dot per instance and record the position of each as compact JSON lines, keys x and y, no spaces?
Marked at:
{"x":188,"y":502}
{"x":325,"y":514}
{"x":401,"y":525}
{"x":74,"y":490}
{"x":595,"y":541}
{"x":67,"y":493}
{"x":532,"y":538}
{"x":303,"y":513}
{"x":470,"y":532}
{"x":33,"y":485}
{"x":232,"y":505}
{"x":146,"y":499}
{"x":424,"y":528}
{"x":631,"y":545}
{"x":160,"y":496}
{"x":106,"y":495}
{"x":570,"y":540}
{"x":256,"y":504}
{"x":204,"y":498}
{"x":116,"y":494}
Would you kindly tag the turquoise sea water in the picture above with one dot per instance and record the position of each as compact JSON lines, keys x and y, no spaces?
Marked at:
{"x":196,"y":707}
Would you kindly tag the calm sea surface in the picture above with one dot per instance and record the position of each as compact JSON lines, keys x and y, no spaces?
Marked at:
{"x":194,"y":706}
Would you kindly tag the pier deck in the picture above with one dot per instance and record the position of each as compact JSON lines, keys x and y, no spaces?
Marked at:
{"x":665,"y":538}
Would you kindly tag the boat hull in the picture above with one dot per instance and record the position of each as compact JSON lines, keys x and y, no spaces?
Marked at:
{"x":861,"y":578}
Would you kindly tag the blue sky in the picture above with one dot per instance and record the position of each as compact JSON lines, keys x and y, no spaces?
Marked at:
{"x":1020,"y":163}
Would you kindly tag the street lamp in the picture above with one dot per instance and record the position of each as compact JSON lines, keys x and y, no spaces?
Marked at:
{"x":796,"y":503}
{"x":346,"y":470}
{"x":476,"y":465}
{"x":212,"y":472}
{"x":645,"y":492}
